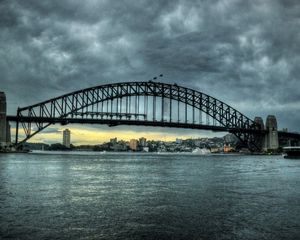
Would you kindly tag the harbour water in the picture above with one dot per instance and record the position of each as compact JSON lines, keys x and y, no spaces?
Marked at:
{"x":148,"y":196}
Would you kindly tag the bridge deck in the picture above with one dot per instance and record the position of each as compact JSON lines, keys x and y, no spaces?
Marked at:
{"x":116,"y":122}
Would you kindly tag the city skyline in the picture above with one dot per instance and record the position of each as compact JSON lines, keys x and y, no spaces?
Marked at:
{"x":84,"y":135}
{"x":228,"y":143}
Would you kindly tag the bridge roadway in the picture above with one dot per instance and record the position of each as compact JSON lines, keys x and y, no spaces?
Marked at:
{"x":116,"y":122}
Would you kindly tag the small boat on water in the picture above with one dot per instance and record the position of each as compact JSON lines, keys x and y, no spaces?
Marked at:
{"x":292,"y":152}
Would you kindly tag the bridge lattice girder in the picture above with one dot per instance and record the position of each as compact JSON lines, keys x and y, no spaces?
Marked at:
{"x":69,"y":105}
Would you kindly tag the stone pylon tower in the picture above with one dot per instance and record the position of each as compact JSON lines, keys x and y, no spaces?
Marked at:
{"x":3,"y":127}
{"x":271,"y":139}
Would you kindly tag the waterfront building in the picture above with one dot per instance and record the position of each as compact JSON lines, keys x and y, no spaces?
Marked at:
{"x":143,"y":142}
{"x":119,"y":147}
{"x":145,"y":149}
{"x":113,"y":141}
{"x":133,"y":144}
{"x":228,"y":148}
{"x":216,"y":149}
{"x":67,"y":138}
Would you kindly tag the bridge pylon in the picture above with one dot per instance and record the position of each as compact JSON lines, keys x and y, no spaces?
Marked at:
{"x":3,"y":122}
{"x":271,"y":138}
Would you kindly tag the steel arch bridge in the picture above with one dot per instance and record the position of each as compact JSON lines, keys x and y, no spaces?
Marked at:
{"x":138,"y":103}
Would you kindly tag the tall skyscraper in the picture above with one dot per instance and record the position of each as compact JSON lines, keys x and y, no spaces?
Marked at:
{"x":67,"y":138}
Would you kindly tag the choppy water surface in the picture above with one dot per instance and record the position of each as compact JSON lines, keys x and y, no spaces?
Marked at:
{"x":131,"y":196}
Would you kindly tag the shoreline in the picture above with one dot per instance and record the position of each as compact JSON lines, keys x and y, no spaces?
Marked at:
{"x":137,"y":153}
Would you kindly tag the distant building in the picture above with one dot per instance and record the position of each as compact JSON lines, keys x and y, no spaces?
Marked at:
{"x":143,"y":142}
{"x":67,"y":138}
{"x":145,"y":149}
{"x":133,"y":144}
{"x":113,"y":141}
{"x":119,"y":147}
{"x":178,"y":141}
{"x":216,"y":149}
{"x":228,"y":148}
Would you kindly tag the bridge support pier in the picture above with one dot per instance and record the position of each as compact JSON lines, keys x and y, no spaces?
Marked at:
{"x":3,"y":122}
{"x":8,"y":134}
{"x":17,"y":133}
{"x":271,"y":138}
{"x":268,"y":141}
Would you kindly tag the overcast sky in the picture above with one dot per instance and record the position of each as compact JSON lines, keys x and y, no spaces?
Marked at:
{"x":245,"y":53}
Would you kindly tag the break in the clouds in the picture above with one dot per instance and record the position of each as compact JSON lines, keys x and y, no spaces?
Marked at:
{"x":246,"y":53}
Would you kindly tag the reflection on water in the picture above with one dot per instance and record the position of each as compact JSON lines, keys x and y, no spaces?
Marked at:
{"x":148,"y":196}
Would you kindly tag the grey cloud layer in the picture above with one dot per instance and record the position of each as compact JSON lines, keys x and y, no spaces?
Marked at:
{"x":245,"y":53}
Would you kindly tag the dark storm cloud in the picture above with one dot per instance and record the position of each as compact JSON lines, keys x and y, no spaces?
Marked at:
{"x":245,"y":53}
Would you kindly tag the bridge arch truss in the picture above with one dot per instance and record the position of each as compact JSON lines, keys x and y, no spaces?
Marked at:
{"x":138,"y":103}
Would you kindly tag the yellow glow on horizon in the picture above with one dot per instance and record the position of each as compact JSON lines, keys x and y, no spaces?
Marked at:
{"x":86,"y":135}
